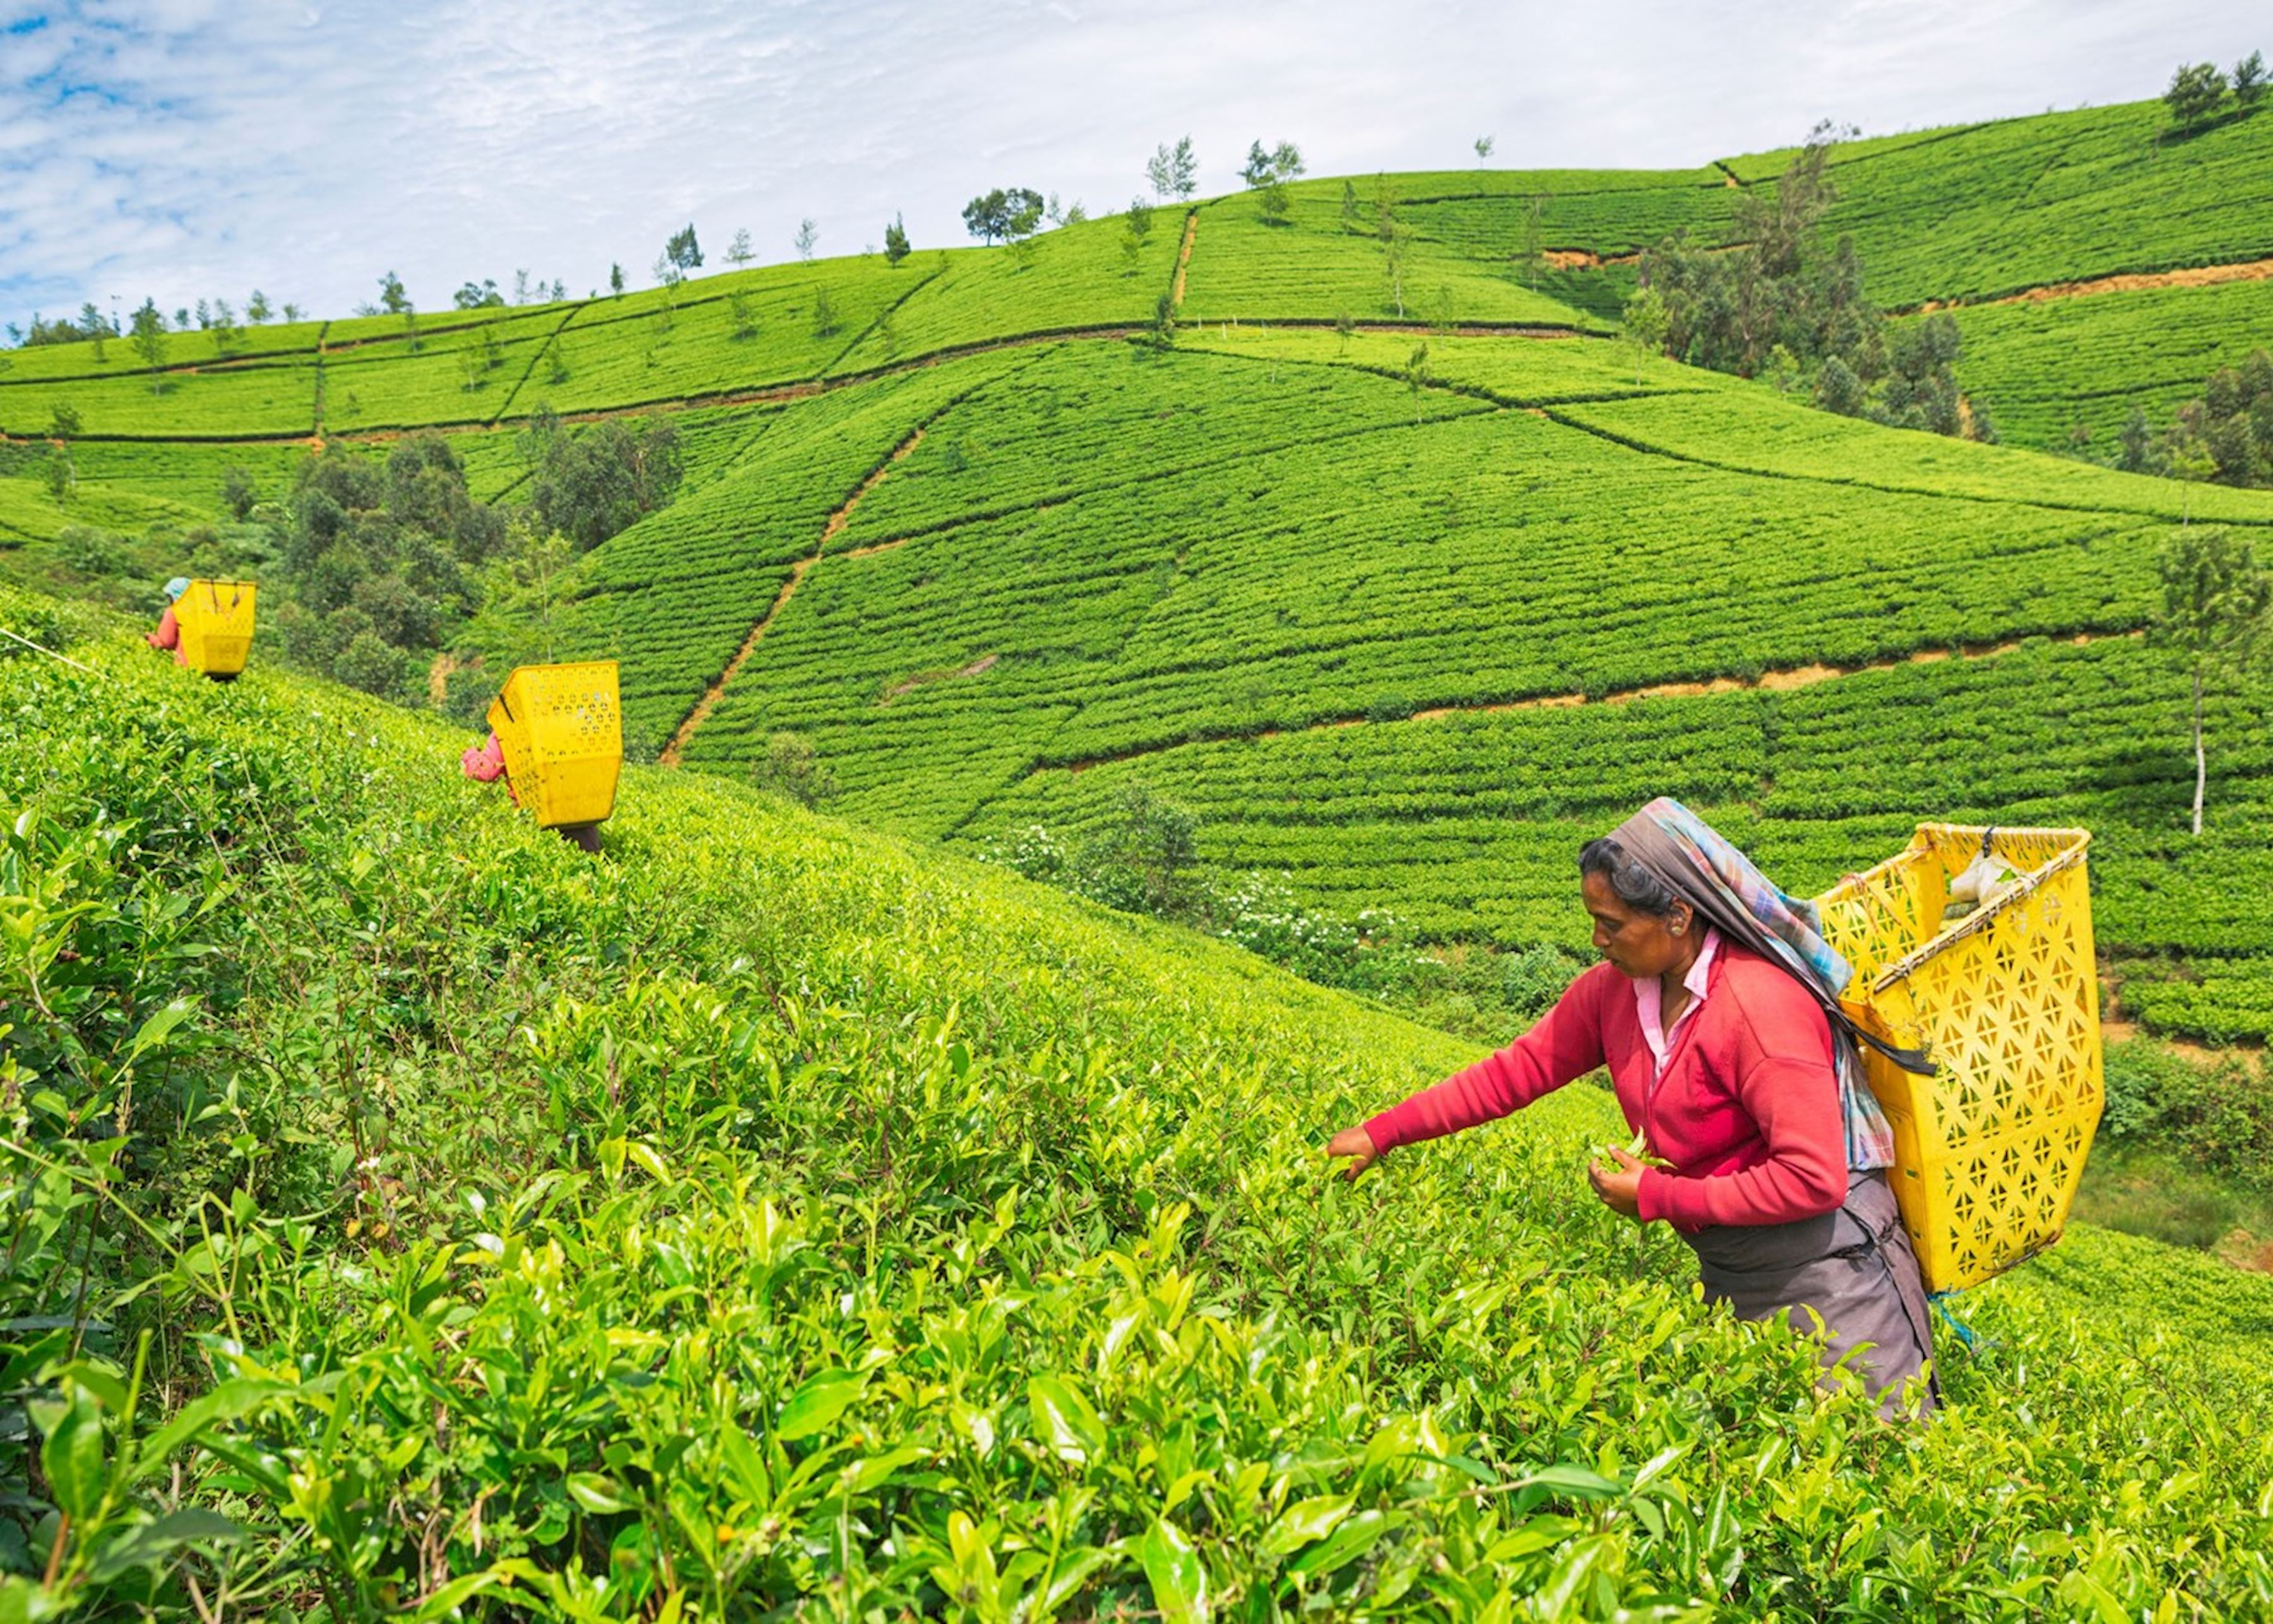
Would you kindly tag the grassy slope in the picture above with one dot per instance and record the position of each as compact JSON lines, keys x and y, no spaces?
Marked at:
{"x":2048,"y":367}
{"x":1025,"y":601}
{"x":895,"y":1113}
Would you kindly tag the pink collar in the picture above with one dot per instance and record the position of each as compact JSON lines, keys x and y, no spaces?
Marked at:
{"x":1649,"y":999}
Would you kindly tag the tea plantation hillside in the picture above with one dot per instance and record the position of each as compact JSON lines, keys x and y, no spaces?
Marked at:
{"x":1353,"y":617}
{"x":1000,"y":542}
{"x":769,"y":1210}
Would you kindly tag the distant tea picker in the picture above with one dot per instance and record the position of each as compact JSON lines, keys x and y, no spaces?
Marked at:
{"x":168,"y":637}
{"x":208,"y":625}
{"x":1717,"y":1011}
{"x":556,"y":737}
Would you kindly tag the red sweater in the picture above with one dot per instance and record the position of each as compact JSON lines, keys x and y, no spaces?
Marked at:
{"x":1747,"y":1112}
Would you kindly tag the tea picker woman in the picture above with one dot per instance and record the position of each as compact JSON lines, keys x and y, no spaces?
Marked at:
{"x":169,"y":634}
{"x":485,"y":764}
{"x":1717,"y":1013}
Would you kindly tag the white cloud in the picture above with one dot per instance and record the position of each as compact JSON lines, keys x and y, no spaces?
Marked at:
{"x":192,"y":148}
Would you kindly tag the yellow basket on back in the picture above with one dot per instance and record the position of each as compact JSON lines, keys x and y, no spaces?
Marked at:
{"x":215,"y":619}
{"x":1989,"y":1150}
{"x":563,"y":737}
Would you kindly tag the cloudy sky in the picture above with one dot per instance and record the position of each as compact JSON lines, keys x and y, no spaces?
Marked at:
{"x":183,"y":148}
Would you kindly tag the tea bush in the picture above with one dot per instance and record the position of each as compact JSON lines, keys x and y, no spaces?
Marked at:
{"x":769,"y":1212}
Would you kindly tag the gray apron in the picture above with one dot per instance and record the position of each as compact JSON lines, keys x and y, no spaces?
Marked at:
{"x":1854,"y":1267}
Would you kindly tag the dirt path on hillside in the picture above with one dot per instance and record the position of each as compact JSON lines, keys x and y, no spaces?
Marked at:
{"x":798,"y":571}
{"x":1184,"y":261}
{"x":2196,"y":276}
{"x":980,"y":666}
{"x":1774,"y":682}
{"x":1582,"y":258}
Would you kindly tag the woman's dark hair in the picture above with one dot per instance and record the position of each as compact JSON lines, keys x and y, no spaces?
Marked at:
{"x":1632,"y":884}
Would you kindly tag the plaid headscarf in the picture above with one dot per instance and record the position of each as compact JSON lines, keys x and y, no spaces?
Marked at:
{"x":1685,"y":853}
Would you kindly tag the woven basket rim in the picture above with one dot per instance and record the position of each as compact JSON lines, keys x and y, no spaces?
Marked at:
{"x":2077,"y":843}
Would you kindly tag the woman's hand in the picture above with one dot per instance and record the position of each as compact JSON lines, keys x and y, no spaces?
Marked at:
{"x":1357,"y":1144}
{"x":1620,"y":1187}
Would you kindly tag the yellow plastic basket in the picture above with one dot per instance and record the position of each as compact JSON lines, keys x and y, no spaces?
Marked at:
{"x":215,"y":620}
{"x":1990,"y":1149}
{"x":563,"y":737}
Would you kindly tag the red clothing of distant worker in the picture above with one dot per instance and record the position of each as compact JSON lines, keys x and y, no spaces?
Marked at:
{"x":169,"y":635}
{"x":1746,"y":1107}
{"x":484,"y":763}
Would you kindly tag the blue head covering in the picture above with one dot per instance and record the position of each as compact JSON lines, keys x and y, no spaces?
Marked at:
{"x":177,"y":586}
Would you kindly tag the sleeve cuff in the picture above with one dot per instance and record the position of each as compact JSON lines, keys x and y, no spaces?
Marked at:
{"x":1658,"y":1196}
{"x":1383,"y":1136}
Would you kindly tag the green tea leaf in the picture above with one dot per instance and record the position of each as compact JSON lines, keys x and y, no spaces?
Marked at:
{"x":597,"y":1494}
{"x":1304,"y":1522}
{"x":815,"y":1406}
{"x":1178,"y":1577}
{"x":1064,"y":1421}
{"x":153,"y":1542}
{"x":71,"y":1455}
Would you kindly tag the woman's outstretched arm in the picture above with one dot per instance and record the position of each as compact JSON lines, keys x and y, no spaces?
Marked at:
{"x":1566,"y":1044}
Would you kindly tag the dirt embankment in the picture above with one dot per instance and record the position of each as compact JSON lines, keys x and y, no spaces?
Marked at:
{"x":2140,"y":281}
{"x":1776,"y":681}
{"x":1582,"y":259}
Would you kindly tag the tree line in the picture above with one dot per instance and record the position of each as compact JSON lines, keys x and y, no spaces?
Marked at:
{"x":1783,"y":305}
{"x":2198,"y":91}
{"x":2225,"y":434}
{"x":214,"y":315}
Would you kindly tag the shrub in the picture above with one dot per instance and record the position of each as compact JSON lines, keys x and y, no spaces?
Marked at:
{"x":792,"y":767}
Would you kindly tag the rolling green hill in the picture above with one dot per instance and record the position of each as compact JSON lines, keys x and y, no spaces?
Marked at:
{"x":771,"y":1209}
{"x":1359,"y":594}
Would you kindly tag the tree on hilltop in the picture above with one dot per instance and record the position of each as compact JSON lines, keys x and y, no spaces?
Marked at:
{"x":472,"y":295}
{"x":1267,"y":173}
{"x":1485,"y":145}
{"x":895,"y":242}
{"x":227,"y":334}
{"x":1135,"y":228}
{"x":616,"y":279}
{"x":91,"y":323}
{"x":257,"y":309}
{"x":684,"y":251}
{"x":394,"y":299}
{"x":808,"y":234}
{"x":2249,"y":80}
{"x":740,"y":252}
{"x":1011,"y":214}
{"x":150,"y":339}
{"x":668,"y":276}
{"x":1173,"y":171}
{"x":2195,"y":93}
{"x":2216,"y":609}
